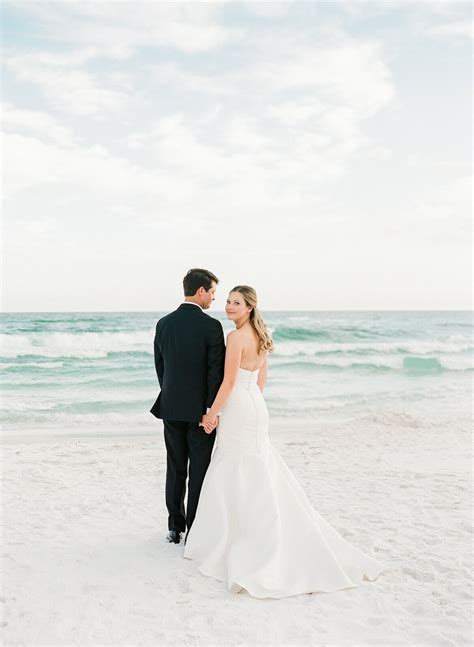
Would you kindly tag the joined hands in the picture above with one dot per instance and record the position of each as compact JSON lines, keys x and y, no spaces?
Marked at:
{"x":209,"y":423}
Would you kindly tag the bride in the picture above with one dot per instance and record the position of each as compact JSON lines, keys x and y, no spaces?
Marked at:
{"x":254,"y":528}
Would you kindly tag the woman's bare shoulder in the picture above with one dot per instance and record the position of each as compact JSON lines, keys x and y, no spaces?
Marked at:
{"x":234,"y":336}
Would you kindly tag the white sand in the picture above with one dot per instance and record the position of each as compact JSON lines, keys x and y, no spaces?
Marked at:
{"x":86,"y":562}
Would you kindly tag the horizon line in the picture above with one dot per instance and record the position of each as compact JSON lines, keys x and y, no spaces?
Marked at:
{"x":223,"y":311}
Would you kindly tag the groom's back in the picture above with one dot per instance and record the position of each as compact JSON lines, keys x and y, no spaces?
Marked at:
{"x":189,"y":361}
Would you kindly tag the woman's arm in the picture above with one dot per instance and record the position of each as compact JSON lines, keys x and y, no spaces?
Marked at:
{"x":262,"y":374}
{"x":215,"y":360}
{"x":233,"y":357}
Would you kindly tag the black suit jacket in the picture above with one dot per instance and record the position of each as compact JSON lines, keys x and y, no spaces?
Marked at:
{"x":189,"y":361}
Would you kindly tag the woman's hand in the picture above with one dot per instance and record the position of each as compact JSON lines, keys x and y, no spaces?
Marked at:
{"x":209,"y":423}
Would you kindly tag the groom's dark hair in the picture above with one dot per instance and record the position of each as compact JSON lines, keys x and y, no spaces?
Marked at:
{"x":197,"y":278}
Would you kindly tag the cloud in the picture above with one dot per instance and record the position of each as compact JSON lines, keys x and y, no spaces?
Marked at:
{"x":456,"y":28}
{"x":297,"y":110}
{"x":119,"y":29}
{"x":267,"y":8}
{"x":448,"y":207}
{"x":261,"y":133}
{"x":36,"y":123}
{"x":65,"y":87}
{"x":440,"y":218}
{"x":31,"y":163}
{"x":349,"y":72}
{"x":421,"y":16}
{"x":266,"y":138}
{"x":172,"y":76}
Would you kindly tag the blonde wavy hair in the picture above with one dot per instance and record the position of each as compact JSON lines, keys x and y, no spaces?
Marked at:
{"x":250,"y":297}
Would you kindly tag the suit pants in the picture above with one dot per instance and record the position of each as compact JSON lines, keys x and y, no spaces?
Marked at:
{"x":185,"y":441}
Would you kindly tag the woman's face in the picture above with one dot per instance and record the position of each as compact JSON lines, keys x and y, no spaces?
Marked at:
{"x":235,"y":306}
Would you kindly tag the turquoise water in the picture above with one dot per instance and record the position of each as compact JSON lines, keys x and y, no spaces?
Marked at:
{"x":95,"y":370}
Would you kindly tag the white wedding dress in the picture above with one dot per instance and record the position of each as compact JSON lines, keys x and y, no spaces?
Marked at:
{"x":254,"y":527}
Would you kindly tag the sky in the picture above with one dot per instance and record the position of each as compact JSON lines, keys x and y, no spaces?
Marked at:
{"x":317,"y":151}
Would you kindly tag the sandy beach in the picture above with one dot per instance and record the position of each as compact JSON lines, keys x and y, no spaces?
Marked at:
{"x":85,"y":559}
{"x":300,"y":171}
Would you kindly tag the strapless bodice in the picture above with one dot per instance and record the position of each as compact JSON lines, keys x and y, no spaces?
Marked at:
{"x":243,"y":422}
{"x":246,"y":378}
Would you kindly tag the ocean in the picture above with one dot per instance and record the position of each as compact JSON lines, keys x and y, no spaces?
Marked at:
{"x":93,"y":372}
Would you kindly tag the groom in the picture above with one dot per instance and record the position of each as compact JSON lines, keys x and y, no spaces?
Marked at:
{"x":189,"y":361}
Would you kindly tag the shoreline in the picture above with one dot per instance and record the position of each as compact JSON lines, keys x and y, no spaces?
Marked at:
{"x":38,"y":434}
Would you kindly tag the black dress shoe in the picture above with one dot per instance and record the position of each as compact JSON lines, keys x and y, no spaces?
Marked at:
{"x":174,"y":536}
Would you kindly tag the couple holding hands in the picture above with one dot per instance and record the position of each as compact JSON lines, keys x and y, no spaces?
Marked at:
{"x":248,"y":522}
